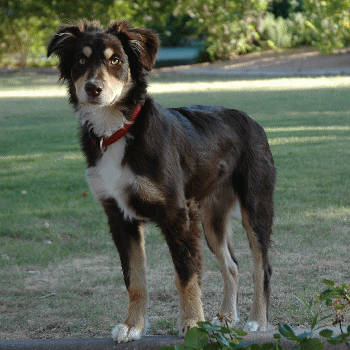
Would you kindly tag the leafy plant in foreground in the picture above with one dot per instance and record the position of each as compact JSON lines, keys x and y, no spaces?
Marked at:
{"x":209,"y":337}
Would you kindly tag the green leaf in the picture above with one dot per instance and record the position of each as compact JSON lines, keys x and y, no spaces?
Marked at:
{"x":277,"y":336}
{"x":225,"y":330}
{"x":202,"y":324}
{"x":326,"y":294}
{"x":267,"y":346}
{"x":312,"y":344}
{"x":179,"y":347}
{"x":167,"y":348}
{"x":326,"y":333}
{"x":304,"y":335}
{"x":329,"y":302}
{"x":212,"y":328}
{"x":212,"y":346}
{"x":335,"y":340}
{"x":287,"y":331}
{"x":314,"y":321}
{"x":329,"y":283}
{"x":245,"y":344}
{"x":348,"y":329}
{"x":326,"y":317}
{"x":302,"y":301}
{"x":196,"y":337}
{"x":240,"y":333}
{"x":255,"y":347}
{"x":221,"y":339}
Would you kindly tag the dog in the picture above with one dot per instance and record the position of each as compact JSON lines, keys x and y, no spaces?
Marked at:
{"x":186,"y":169}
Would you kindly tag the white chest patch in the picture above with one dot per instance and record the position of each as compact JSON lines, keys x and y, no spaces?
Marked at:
{"x":110,"y":179}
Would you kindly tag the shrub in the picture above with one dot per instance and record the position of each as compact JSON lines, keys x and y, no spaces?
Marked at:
{"x":326,"y":24}
{"x":278,"y":32}
{"x":229,"y":27}
{"x":209,"y":337}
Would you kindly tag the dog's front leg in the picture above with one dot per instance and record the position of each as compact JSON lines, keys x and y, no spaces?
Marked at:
{"x":183,"y":240}
{"x":129,"y":241}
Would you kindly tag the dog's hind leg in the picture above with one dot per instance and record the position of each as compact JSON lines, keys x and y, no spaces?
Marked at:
{"x":182,"y":235}
{"x":258,"y":317}
{"x":216,"y":217}
{"x":129,"y":241}
{"x":255,"y":191}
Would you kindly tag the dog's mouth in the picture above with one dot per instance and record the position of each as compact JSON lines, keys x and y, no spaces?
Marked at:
{"x":98,"y":93}
{"x":93,"y":100}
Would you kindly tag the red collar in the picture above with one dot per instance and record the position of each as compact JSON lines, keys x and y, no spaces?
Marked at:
{"x":104,"y":142}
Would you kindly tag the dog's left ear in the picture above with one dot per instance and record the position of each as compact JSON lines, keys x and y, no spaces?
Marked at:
{"x":143,"y":44}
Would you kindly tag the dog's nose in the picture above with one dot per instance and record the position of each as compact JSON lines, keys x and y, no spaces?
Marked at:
{"x":93,"y":89}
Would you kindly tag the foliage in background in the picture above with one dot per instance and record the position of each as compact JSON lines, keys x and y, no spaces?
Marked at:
{"x":209,"y":337}
{"x":233,"y":28}
{"x":329,"y":23}
{"x":224,"y":27}
{"x":27,"y":25}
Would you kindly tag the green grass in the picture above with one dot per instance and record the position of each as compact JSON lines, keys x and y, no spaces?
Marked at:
{"x":49,"y":221}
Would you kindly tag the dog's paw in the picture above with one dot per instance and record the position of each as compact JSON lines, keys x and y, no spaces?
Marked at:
{"x":225,"y":320}
{"x":254,"y":326}
{"x":186,"y":325}
{"x":122,"y":333}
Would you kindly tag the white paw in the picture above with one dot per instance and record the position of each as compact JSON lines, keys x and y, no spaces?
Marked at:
{"x":254,"y":326}
{"x":121,"y":333}
{"x":225,"y":321}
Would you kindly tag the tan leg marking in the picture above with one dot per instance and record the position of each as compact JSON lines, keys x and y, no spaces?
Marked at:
{"x":135,"y":324}
{"x":220,"y":247}
{"x":191,"y":310}
{"x":257,"y":320}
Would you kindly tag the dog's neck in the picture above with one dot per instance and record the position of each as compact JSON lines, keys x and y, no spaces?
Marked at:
{"x":104,"y":120}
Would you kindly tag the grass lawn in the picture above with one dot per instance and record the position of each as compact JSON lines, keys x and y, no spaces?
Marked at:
{"x":60,"y":274}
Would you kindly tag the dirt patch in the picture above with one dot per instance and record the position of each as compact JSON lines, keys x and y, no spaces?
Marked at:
{"x":303,"y":61}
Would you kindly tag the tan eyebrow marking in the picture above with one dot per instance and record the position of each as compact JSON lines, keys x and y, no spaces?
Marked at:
{"x":87,"y":51}
{"x":108,"y":53}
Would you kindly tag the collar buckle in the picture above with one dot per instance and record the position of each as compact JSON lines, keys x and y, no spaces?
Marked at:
{"x":102,"y":148}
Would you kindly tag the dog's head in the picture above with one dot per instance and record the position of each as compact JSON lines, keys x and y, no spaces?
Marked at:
{"x":102,"y":65}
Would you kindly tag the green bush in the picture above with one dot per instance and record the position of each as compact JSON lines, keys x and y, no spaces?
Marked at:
{"x":229,"y":27}
{"x":326,"y":24}
{"x":25,"y":45}
{"x":209,"y":337}
{"x":278,"y":32}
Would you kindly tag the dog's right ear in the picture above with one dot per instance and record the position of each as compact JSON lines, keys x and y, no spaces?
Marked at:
{"x":63,"y":44}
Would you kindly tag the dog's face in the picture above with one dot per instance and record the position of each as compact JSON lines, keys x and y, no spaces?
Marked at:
{"x":100,"y":70}
{"x":102,"y":65}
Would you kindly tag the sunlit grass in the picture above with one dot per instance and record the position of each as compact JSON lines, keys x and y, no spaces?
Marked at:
{"x":309,"y":128}
{"x":251,"y":85}
{"x":156,"y":87}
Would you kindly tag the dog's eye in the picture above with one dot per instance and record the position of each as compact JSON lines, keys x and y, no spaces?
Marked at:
{"x":82,"y":61}
{"x":115,"y":60}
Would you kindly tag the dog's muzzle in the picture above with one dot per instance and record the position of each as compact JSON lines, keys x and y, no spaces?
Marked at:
{"x":93,"y":89}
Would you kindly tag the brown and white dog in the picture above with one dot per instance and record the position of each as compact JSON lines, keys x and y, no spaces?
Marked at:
{"x":176,"y":167}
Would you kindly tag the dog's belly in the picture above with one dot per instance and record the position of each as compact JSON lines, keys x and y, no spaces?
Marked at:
{"x":109,"y":179}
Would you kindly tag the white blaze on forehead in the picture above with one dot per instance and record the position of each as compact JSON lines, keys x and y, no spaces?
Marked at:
{"x":108,"y":53}
{"x":87,"y":51}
